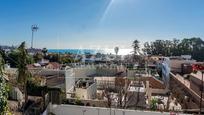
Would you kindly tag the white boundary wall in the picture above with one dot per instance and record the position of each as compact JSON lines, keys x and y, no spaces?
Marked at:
{"x":85,"y":110}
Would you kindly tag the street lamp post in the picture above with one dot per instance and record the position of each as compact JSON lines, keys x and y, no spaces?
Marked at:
{"x":83,"y":112}
{"x":98,"y":110}
{"x":200,"y":67}
{"x":34,"y":28}
{"x":201,"y":92}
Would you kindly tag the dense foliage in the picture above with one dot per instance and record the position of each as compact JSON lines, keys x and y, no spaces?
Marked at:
{"x":153,"y":104}
{"x":3,"y":88}
{"x":12,"y":58}
{"x":3,"y":95}
{"x":23,"y":73}
{"x":187,"y":46}
{"x":61,"y":58}
{"x":36,"y":90}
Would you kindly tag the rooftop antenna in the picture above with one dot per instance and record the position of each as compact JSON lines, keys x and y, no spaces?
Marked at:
{"x":34,"y":28}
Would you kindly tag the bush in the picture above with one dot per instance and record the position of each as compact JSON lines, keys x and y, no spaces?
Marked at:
{"x":78,"y":102}
{"x":153,"y":104}
{"x":36,"y":90}
{"x":3,"y":95}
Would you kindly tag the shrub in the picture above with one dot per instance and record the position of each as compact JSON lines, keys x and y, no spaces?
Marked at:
{"x":153,"y":104}
{"x":3,"y":96}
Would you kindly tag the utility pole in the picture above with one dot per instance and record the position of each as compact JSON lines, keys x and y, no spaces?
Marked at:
{"x":201,"y":92}
{"x":34,"y":28}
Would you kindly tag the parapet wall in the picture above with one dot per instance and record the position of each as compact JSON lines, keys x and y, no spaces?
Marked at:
{"x":87,"y":110}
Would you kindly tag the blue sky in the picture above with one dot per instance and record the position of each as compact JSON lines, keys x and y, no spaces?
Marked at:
{"x":98,"y":23}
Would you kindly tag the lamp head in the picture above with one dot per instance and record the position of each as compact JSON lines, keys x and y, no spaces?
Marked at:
{"x":34,"y":27}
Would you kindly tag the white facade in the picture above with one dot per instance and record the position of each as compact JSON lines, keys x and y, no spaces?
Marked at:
{"x":84,"y":71}
{"x":69,"y":82}
{"x":87,"y":93}
{"x":74,"y":74}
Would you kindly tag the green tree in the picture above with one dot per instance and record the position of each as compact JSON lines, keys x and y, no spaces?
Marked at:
{"x":187,"y":46}
{"x":158,"y":47}
{"x":167,"y":47}
{"x":12,"y":58}
{"x":53,"y":57}
{"x":174,"y":49}
{"x":197,"y":48}
{"x":23,"y":72}
{"x":147,"y":48}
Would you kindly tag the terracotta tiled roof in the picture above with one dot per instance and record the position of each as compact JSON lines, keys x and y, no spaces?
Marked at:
{"x":30,"y":66}
{"x":54,"y":65}
{"x":55,"y":80}
{"x":155,"y":84}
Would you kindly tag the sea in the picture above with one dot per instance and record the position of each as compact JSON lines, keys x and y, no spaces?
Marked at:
{"x":90,"y":51}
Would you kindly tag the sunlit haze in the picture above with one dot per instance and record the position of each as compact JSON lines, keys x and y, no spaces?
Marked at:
{"x":98,"y":23}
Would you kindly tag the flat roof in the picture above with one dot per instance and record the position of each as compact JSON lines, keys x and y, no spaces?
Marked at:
{"x":198,"y":75}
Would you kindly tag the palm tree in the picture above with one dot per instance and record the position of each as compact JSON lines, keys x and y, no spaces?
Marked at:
{"x":135,"y":46}
{"x":44,"y":51}
{"x":116,"y":49}
{"x":22,"y":68}
{"x":2,"y":53}
{"x":136,"y":50}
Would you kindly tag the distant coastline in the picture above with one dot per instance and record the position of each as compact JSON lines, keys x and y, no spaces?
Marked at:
{"x":89,"y":51}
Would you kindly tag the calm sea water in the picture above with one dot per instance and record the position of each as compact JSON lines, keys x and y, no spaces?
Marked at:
{"x":91,"y":51}
{"x":75,"y":51}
